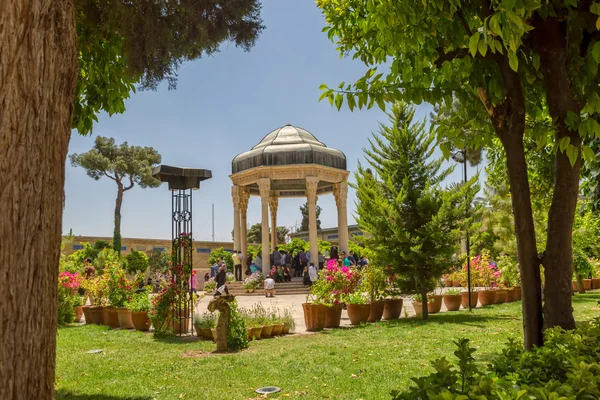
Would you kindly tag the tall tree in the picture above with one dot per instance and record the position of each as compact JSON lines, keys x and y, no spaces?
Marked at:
{"x":126,"y":165}
{"x":254,"y":234}
{"x":304,"y":212}
{"x":412,"y":222}
{"x":502,"y":60}
{"x":43,"y":43}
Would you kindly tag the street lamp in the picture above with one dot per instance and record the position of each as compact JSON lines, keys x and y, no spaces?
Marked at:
{"x":460,"y":156}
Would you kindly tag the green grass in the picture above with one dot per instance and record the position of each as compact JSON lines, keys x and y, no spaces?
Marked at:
{"x":360,"y":363}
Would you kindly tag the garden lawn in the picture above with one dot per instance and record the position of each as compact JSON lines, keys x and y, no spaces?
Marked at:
{"x":360,"y":363}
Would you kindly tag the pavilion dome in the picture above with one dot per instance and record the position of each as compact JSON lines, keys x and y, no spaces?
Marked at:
{"x":289,"y":145}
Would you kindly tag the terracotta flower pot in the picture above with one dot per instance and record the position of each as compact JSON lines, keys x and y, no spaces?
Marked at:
{"x":452,"y":301}
{"x":267,"y":331}
{"x":587,"y":284}
{"x":314,"y":316}
{"x":206,"y":333}
{"x":111,"y":317}
{"x":358,"y":313}
{"x":436,"y":305}
{"x":464,"y":299}
{"x":376,"y":311}
{"x":256,"y":332}
{"x":511,"y":295}
{"x":575,"y":286}
{"x":285,"y":330}
{"x":140,"y":320}
{"x":500,"y":296}
{"x":595,"y":283}
{"x":277,"y":329}
{"x":517,"y":293}
{"x":87,"y":314}
{"x":181,"y":325}
{"x":333,"y":316}
{"x":124,"y":315}
{"x":487,"y":297}
{"x":97,"y":315}
{"x":392,"y":309}
{"x":418,"y":307}
{"x":78,"y":313}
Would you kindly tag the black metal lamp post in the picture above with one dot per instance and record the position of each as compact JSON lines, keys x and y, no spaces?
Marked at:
{"x":461,"y":157}
{"x":181,"y":183}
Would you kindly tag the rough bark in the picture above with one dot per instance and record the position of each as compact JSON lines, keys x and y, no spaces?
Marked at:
{"x":509,"y":121}
{"x":424,"y":303}
{"x":37,"y":81}
{"x":580,"y":286}
{"x":117,"y":229}
{"x":550,"y":42}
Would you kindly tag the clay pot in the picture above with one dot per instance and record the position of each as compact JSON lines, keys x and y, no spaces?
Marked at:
{"x":206,"y":333}
{"x":124,"y":315}
{"x":517,"y":289}
{"x":277,"y":329}
{"x":78,"y":313}
{"x":587,"y":284}
{"x":575,"y":285}
{"x":595,"y":283}
{"x":333,"y":316}
{"x":267,"y":331}
{"x":256,"y":332}
{"x":487,"y":297}
{"x":181,"y":325}
{"x":511,"y":295}
{"x":376,"y":311}
{"x":452,"y":301}
{"x":87,"y":314}
{"x":500,"y":296}
{"x":285,"y":330}
{"x":392,"y":309}
{"x":436,"y":305}
{"x":358,"y":313}
{"x":111,"y":317}
{"x":464,"y":299}
{"x":140,"y":320}
{"x":97,"y":315}
{"x":314,"y":316}
{"x":418,"y":307}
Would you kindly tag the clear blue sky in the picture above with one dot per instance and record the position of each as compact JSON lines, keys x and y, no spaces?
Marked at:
{"x":223,"y":106}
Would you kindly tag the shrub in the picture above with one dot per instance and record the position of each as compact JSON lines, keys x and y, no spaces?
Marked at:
{"x":137,"y":261}
{"x":206,"y":320}
{"x":224,"y":254}
{"x":119,"y":289}
{"x":139,"y":301}
{"x":237,"y":336}
{"x":105,"y":258}
{"x":159,"y":261}
{"x":210,"y":285}
{"x":452,"y":292}
{"x":567,"y":366}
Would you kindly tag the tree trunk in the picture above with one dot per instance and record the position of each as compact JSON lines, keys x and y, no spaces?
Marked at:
{"x":424,"y":303}
{"x":117,"y":231}
{"x":580,"y":286}
{"x":550,"y":43}
{"x":509,"y":122}
{"x":38,"y":69}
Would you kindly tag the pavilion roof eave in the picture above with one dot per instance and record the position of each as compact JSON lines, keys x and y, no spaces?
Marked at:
{"x":292,"y":171}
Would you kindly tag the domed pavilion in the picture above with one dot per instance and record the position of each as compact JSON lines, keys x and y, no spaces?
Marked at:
{"x":288,"y":162}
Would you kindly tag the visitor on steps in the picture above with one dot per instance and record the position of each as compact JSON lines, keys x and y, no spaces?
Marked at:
{"x":306,"y":278}
{"x":276,"y":258}
{"x":254,"y":268}
{"x":312,"y":273}
{"x":279,"y":278}
{"x":237,"y":266}
{"x":287,"y":276}
{"x":269,"y":287}
{"x":258,"y":262}
{"x":273,"y":273}
{"x":221,"y":280}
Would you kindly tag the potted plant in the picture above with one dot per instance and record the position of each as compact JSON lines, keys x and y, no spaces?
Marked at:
{"x":487,"y":273}
{"x":252,"y":282}
{"x":118,"y":292}
{"x":358,"y":307}
{"x":464,"y":298}
{"x":204,"y":323}
{"x":78,"y":307}
{"x":210,"y":285}
{"x":581,"y":268}
{"x":95,"y":287}
{"x":314,"y":314}
{"x":276,"y":322}
{"x":392,"y":304}
{"x":595,"y":273}
{"x":288,"y":321}
{"x":452,"y":299}
{"x":375,"y":281}
{"x":139,"y":306}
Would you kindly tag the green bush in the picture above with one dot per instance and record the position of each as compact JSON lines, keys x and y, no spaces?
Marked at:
{"x":206,"y":320}
{"x":220,"y":252}
{"x":139,"y":301}
{"x":566,"y":367}
{"x":136,"y":262}
{"x":66,"y":302}
{"x":105,"y":258}
{"x":237,"y":336}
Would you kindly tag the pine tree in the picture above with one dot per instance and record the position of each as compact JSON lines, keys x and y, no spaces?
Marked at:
{"x":413,"y":223}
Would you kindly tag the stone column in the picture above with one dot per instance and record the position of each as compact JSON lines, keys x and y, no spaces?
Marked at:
{"x":340,"y":191}
{"x":311,"y":196}
{"x":264,"y":186}
{"x":244,"y":197}
{"x":273,"y":203}
{"x":235,"y":195}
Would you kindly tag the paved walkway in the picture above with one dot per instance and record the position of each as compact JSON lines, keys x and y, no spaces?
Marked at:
{"x":294,"y":303}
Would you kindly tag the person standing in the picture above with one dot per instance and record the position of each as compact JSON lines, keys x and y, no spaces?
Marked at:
{"x":258,"y":262}
{"x":277,"y":258}
{"x":193,"y":282}
{"x":321,"y":261}
{"x":312,"y":273}
{"x":221,"y":280}
{"x":237,"y":265}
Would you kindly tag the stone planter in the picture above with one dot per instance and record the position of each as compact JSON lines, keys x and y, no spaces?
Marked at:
{"x":333,"y":316}
{"x":206,"y":333}
{"x":358,"y":313}
{"x":434,"y":306}
{"x":97,"y":315}
{"x":452,"y":301}
{"x":140,"y":320}
{"x":87,"y":314}
{"x":376,"y":311}
{"x":314,"y":316}
{"x":111,"y":317}
{"x":392,"y":309}
{"x":267,"y":331}
{"x":124,"y":315}
{"x":587,"y":284}
{"x":277,"y":330}
{"x":595,"y":283}
{"x":78,"y":313}
{"x":500,"y":296}
{"x":285,"y":330}
{"x":464,"y":299}
{"x":486,"y":297}
{"x":256,"y":332}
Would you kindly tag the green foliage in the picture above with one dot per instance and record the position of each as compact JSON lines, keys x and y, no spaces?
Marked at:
{"x":221,"y":253}
{"x":206,"y":320}
{"x":137,"y":261}
{"x":119,"y":289}
{"x":567,"y":366}
{"x":237,"y":336}
{"x":66,"y":302}
{"x":139,"y":301}
{"x":305,"y":221}
{"x":412,"y":223}
{"x":356,"y":298}
{"x":586,"y":231}
{"x":159,"y":261}
{"x":254,"y":234}
{"x":106,"y":257}
{"x":296,"y":245}
{"x":375,"y":282}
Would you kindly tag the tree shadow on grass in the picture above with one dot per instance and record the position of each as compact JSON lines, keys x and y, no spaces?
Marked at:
{"x":66,"y":394}
{"x":586,"y":298}
{"x":460,"y":318}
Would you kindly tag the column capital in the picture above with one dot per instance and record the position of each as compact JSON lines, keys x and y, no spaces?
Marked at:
{"x":264,"y":187}
{"x":235,"y":195}
{"x":312,"y":183}
{"x":340,"y":192}
{"x":273,"y":203}
{"x":244,"y":196}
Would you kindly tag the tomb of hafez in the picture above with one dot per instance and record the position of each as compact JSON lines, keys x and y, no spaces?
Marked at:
{"x":288,"y":162}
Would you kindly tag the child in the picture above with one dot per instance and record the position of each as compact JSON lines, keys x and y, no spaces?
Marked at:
{"x":287,"y":277}
{"x":273,"y":273}
{"x":306,"y":278}
{"x":269,"y":287}
{"x":312,"y":272}
{"x":279,"y":274}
